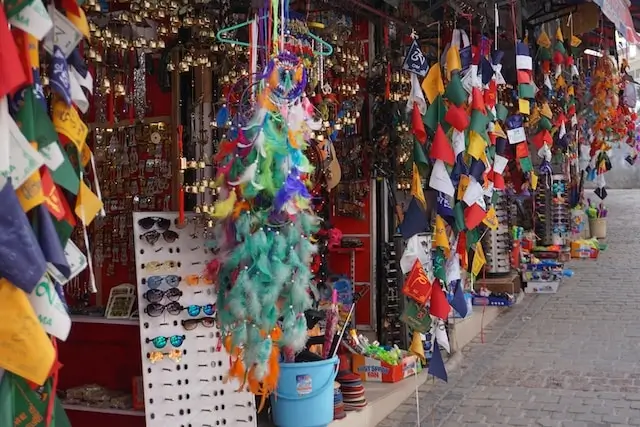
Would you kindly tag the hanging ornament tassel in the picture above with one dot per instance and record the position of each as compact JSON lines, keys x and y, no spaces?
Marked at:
{"x":140,"y":87}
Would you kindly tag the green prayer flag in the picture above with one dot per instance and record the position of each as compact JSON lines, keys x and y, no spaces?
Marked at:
{"x":526,"y":90}
{"x":479,"y":123}
{"x":27,"y":407}
{"x":544,"y":123}
{"x":458,"y":216}
{"x":473,"y":236}
{"x":525,"y":164}
{"x":544,"y":54}
{"x":37,"y":127}
{"x":435,"y":114}
{"x":455,"y":92}
{"x":13,"y":7}
{"x":502,"y":112}
{"x":420,"y":158}
{"x":559,"y":47}
{"x":416,"y":317}
{"x":439,"y":270}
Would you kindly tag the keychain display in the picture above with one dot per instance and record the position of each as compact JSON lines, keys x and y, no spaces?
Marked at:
{"x":184,"y":362}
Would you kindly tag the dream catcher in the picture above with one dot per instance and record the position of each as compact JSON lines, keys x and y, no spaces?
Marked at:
{"x":263,"y":223}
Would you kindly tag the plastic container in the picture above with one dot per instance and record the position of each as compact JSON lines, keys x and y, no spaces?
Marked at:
{"x":598,"y":227}
{"x":304,"y":397}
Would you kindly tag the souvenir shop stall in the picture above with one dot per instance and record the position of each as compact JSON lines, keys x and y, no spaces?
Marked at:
{"x":490,"y":136}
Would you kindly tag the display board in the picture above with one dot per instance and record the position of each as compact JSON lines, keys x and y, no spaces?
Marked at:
{"x":183,"y":360}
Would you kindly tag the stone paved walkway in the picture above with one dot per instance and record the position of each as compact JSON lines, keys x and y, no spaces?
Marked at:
{"x":569,"y":359}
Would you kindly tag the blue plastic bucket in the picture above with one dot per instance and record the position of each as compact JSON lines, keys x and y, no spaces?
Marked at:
{"x":304,"y":397}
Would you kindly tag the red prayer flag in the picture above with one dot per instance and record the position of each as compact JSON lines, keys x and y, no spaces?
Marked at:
{"x":417,"y":286}
{"x":418,"y":125}
{"x":441,"y":148}
{"x":12,"y":76}
{"x":473,"y":216}
{"x":439,"y":305}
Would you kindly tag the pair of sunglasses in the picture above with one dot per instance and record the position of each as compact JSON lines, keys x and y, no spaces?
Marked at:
{"x":191,"y":324}
{"x":156,"y":266}
{"x":161,"y":341}
{"x":155,"y":310}
{"x":152,"y":221}
{"x":156,"y":295}
{"x":157,"y":356}
{"x":154,"y":282}
{"x":152,"y":236}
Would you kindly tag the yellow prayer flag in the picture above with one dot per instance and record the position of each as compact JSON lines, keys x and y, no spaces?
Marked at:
{"x":477,"y":145}
{"x":87,"y":205}
{"x":561,"y":82}
{"x":432,"y":85}
{"x":544,"y":40}
{"x":534,"y":181}
{"x":25,"y":348}
{"x":416,"y":187}
{"x":479,"y":260}
{"x":524,"y":106}
{"x":80,"y":23}
{"x":575,"y":41}
{"x":67,"y":121}
{"x":30,"y":193}
{"x":571,"y":91}
{"x":546,"y":111}
{"x":559,"y":36}
{"x":453,"y":61}
{"x":498,"y":131}
{"x":462,"y":186}
{"x":441,"y":240}
{"x":491,"y":219}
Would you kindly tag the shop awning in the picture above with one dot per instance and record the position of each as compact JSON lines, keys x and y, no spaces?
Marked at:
{"x":617,"y":11}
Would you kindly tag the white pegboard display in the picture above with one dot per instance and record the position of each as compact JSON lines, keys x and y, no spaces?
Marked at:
{"x":183,"y":360}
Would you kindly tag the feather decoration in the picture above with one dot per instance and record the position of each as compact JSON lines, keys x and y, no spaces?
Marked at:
{"x":226,"y":148}
{"x":248,"y":175}
{"x":262,"y":359}
{"x":292,"y":187}
{"x":254,"y":338}
{"x":258,"y":243}
{"x":223,"y":208}
{"x":307,"y":106}
{"x":281,"y":273}
{"x":236,"y":300}
{"x":314,"y":125}
{"x":310,"y":224}
{"x":263,"y":265}
{"x":243,"y":227}
{"x":270,"y":314}
{"x":296,"y":117}
{"x":288,"y":324}
{"x":239,"y":337}
{"x":254,"y":306}
{"x":298,"y":334}
{"x":279,"y":248}
{"x":300,"y":298}
{"x":222,"y":116}
{"x":257,"y":120}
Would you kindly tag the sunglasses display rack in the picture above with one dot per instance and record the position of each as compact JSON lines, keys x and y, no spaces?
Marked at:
{"x":183,"y":359}
{"x":393,"y":330}
{"x":552,"y":211}
{"x":497,"y":243}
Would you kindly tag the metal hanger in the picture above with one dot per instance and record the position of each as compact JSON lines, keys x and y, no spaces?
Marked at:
{"x":326,"y":51}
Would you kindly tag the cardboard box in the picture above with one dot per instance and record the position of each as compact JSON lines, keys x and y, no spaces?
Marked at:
{"x":582,"y":249}
{"x":542,"y":287}
{"x":373,"y":370}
